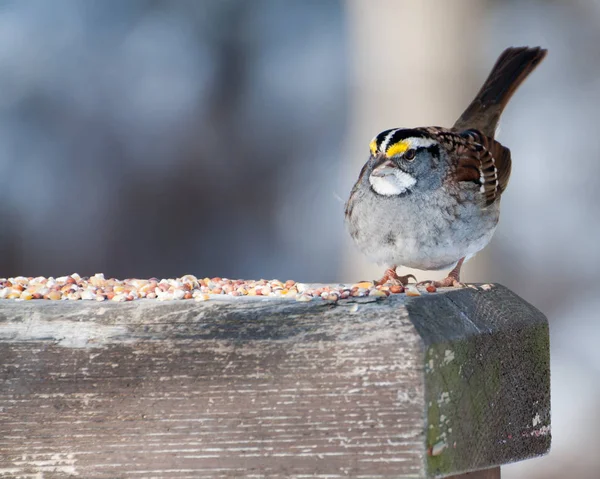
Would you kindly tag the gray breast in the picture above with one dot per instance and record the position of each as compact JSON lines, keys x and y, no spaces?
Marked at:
{"x":423,"y":231}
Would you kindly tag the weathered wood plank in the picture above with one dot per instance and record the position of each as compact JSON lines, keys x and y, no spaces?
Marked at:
{"x":404,"y":387}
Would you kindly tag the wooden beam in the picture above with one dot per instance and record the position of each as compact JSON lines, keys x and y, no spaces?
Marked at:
{"x":493,"y":473}
{"x":428,"y":386}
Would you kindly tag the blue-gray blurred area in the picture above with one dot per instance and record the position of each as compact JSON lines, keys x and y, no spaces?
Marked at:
{"x":158,"y":137}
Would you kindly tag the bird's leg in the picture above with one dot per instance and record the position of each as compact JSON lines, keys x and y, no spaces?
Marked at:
{"x":453,"y":278}
{"x":391,"y":276}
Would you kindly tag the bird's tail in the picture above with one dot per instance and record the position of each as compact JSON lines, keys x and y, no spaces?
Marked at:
{"x":510,"y":70}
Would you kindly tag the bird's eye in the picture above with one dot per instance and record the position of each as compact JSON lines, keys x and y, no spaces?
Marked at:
{"x":410,"y":154}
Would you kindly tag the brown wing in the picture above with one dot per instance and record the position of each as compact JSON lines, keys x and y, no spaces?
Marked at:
{"x":484,"y":161}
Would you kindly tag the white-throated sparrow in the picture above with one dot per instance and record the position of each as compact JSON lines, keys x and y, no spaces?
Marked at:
{"x":429,"y":198}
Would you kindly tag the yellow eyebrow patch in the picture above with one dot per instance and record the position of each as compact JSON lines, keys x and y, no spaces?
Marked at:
{"x":373,"y":146}
{"x":397,"y":148}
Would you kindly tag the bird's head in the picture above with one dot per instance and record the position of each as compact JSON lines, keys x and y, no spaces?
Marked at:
{"x":404,"y":160}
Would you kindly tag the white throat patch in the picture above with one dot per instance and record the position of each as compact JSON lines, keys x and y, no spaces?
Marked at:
{"x":395,"y":182}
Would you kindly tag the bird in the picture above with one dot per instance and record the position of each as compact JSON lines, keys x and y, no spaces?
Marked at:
{"x":429,"y":197}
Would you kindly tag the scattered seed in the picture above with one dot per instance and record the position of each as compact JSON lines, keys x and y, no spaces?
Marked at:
{"x":378,"y":293}
{"x":304,"y":298}
{"x":178,"y":294}
{"x":54,"y":295}
{"x":438,"y":448}
{"x":98,"y":287}
{"x":411,"y":290}
{"x":87,"y":295}
{"x":120,"y":297}
{"x":265,"y":291}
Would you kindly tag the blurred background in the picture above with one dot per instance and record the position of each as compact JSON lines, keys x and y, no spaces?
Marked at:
{"x":221,"y":137}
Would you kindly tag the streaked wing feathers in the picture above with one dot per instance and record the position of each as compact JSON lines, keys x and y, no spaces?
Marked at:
{"x":484,"y":161}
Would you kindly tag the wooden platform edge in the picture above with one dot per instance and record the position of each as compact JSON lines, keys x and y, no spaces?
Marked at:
{"x":432,"y":386}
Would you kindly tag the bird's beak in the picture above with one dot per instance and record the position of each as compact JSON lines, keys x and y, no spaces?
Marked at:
{"x":385,"y":168}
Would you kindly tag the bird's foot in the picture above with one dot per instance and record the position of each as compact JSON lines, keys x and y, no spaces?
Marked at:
{"x":390,"y":276}
{"x":448,"y":282}
{"x":452,"y":280}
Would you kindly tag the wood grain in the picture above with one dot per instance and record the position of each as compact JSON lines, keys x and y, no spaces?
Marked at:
{"x":263,"y":388}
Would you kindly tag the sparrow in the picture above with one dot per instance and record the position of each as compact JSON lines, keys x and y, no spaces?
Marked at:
{"x":429,"y":197}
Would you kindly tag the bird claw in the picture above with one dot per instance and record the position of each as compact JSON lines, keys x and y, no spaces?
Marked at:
{"x":390,"y":276}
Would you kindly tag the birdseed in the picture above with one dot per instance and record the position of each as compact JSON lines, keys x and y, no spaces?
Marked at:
{"x":189,"y":287}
